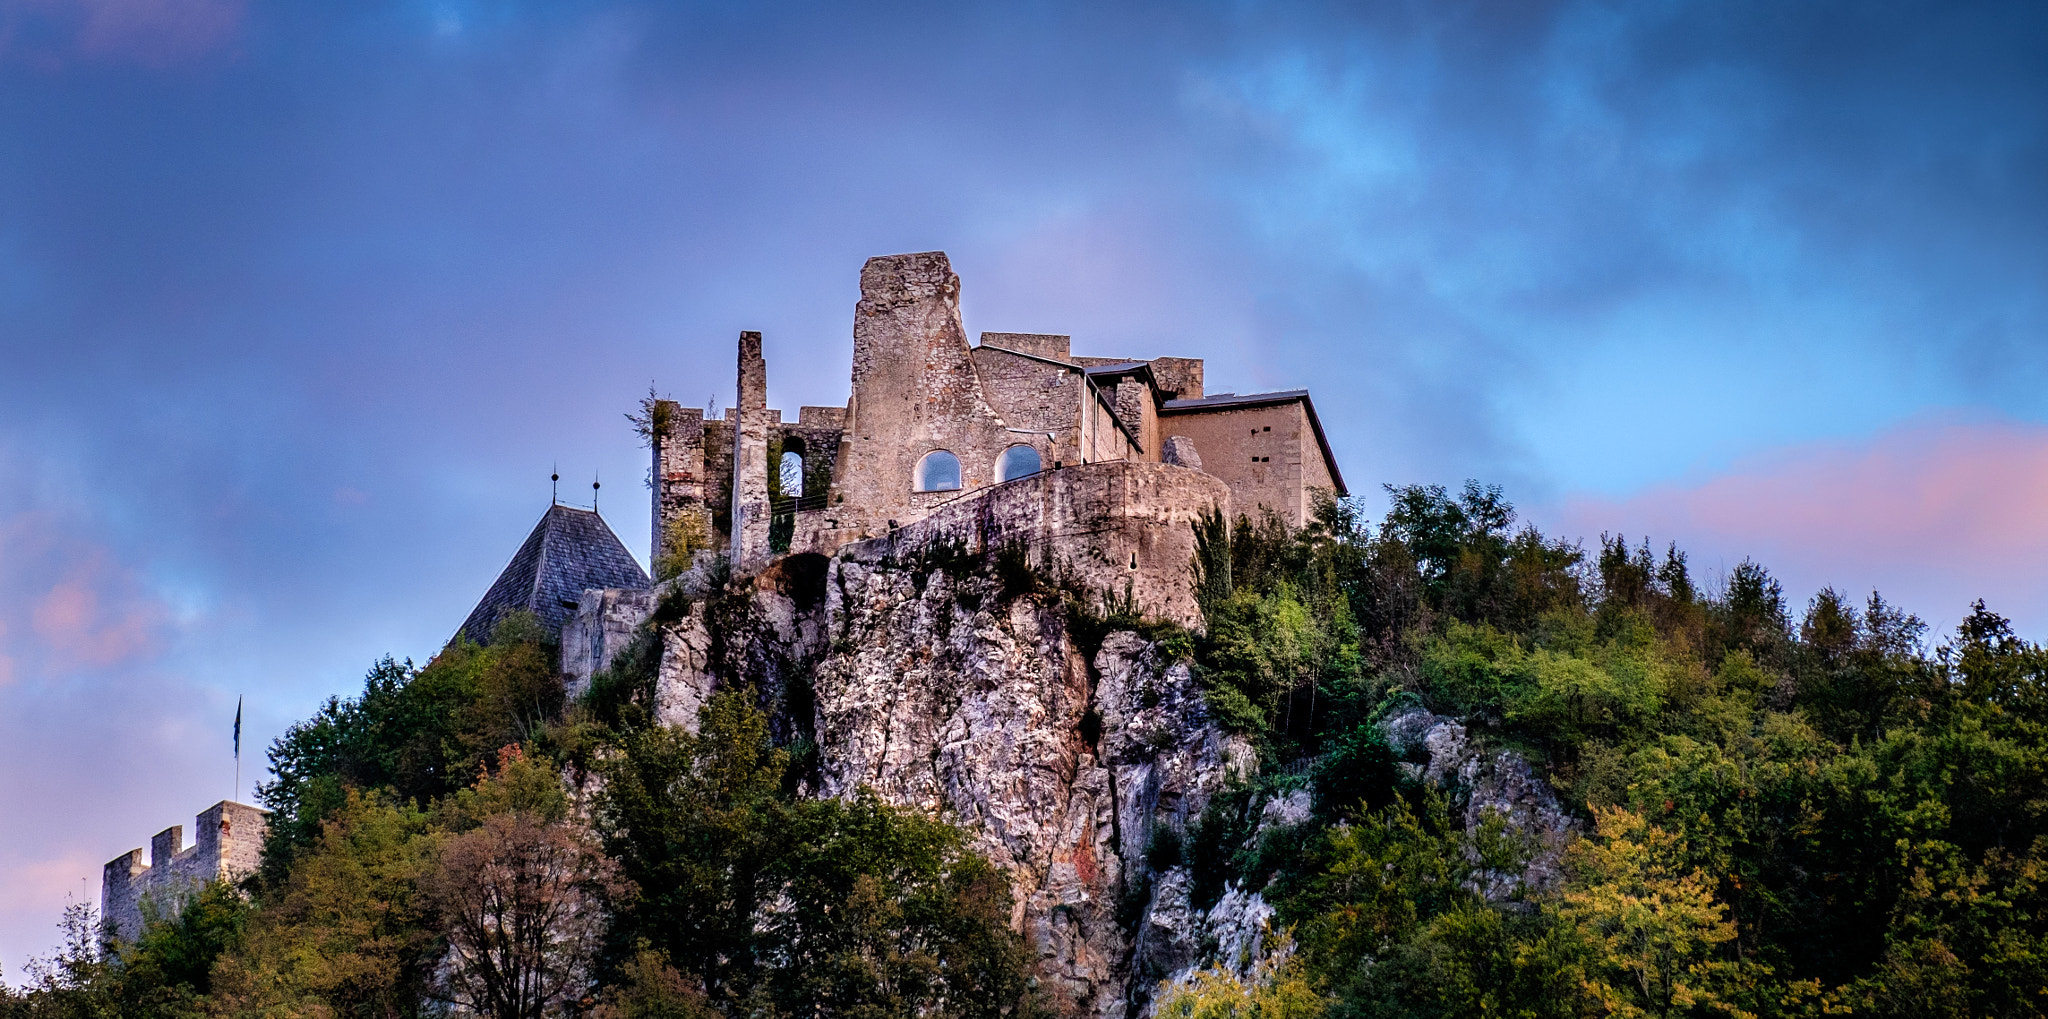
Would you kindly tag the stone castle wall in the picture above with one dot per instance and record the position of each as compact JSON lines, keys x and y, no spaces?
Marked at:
{"x":228,"y":845}
{"x":1118,"y":527}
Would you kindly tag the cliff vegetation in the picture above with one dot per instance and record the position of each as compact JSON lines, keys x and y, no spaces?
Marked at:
{"x":1436,"y":764}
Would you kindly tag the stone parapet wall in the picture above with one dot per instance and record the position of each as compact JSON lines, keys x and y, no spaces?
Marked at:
{"x":227,"y":845}
{"x":1118,"y":527}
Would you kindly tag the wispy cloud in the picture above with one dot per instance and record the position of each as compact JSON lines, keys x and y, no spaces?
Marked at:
{"x":81,"y":609}
{"x":151,"y":33}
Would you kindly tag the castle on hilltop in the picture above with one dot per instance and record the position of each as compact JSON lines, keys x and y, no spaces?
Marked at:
{"x":1015,"y":434}
{"x":933,"y":420}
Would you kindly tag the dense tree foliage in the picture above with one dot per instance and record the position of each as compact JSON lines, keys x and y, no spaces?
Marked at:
{"x":1780,"y":811}
{"x":1780,"y":815}
{"x":428,"y":857}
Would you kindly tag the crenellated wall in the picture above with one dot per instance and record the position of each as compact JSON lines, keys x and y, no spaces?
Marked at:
{"x":228,"y":845}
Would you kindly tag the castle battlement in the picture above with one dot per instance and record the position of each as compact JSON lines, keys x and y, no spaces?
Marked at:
{"x":227,"y":845}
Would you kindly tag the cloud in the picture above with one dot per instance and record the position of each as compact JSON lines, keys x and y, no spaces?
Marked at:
{"x":152,"y":33}
{"x":1935,"y":513}
{"x":83,"y":609}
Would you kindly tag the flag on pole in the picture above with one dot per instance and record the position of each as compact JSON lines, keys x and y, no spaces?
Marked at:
{"x":238,"y":728}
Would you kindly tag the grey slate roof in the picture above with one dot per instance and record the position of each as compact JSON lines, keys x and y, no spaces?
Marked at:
{"x":569,"y":551}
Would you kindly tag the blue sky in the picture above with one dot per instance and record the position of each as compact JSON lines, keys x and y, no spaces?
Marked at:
{"x":300,"y":303}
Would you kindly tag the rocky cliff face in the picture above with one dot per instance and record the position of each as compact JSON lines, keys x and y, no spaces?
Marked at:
{"x":957,"y":685}
{"x":939,"y":689}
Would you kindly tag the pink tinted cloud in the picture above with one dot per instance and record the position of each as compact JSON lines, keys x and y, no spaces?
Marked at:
{"x":1935,"y":514}
{"x":65,"y":603}
{"x":73,"y":619}
{"x":152,"y":33}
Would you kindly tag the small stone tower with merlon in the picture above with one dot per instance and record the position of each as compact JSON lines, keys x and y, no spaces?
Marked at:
{"x":227,"y":846}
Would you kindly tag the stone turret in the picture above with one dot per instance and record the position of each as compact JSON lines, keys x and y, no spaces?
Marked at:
{"x":227,"y":846}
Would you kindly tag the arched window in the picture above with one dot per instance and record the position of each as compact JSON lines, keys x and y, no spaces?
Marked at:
{"x":1017,"y":462}
{"x":791,"y":473}
{"x":939,"y":471}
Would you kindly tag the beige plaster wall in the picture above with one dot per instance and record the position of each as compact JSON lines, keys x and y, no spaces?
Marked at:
{"x":1267,"y":454}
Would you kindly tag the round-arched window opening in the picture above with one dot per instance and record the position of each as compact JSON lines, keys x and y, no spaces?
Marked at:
{"x":790,"y":472}
{"x":1017,"y":462}
{"x":939,"y":471}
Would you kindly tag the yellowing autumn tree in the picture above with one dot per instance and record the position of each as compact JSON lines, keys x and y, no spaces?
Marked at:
{"x":1651,"y":928}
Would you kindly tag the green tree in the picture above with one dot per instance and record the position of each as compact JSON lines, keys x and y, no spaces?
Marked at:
{"x":347,"y":934}
{"x":804,"y":907}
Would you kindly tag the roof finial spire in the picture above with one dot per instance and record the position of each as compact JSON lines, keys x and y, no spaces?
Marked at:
{"x":593,"y":491}
{"x":555,"y":485}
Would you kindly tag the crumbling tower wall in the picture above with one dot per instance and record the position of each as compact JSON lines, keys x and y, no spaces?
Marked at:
{"x":751,"y":421}
{"x":679,"y":480}
{"x":914,"y":391}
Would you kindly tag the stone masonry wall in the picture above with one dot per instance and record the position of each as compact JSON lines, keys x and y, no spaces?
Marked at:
{"x":1035,"y":397}
{"x":1179,"y":377}
{"x":914,"y":391}
{"x":718,"y":478}
{"x":1052,"y":346}
{"x":1117,"y":527}
{"x":228,"y":845}
{"x":1266,"y":452}
{"x":678,"y":472}
{"x":750,"y":456}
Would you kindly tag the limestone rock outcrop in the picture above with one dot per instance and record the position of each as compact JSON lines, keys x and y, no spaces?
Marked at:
{"x":942,"y":693}
{"x":962,"y":682}
{"x":1483,"y":779}
{"x":933,"y":686}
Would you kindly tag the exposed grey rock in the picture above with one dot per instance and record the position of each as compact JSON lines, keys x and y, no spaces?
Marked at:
{"x":1242,"y":923}
{"x":951,"y":697}
{"x":1291,"y":809}
{"x":1170,"y":933}
{"x":604,"y":622}
{"x":1481,"y":780}
{"x":685,"y":681}
{"x":1236,"y":935}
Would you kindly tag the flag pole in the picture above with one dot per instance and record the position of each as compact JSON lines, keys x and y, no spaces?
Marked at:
{"x":238,"y":750}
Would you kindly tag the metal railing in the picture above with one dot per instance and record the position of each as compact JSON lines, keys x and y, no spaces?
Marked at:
{"x":784,"y":505}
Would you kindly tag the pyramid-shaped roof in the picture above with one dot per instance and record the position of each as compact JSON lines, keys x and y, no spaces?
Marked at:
{"x":570,"y":550}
